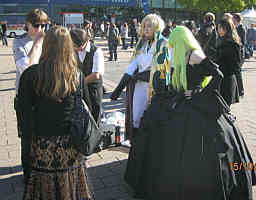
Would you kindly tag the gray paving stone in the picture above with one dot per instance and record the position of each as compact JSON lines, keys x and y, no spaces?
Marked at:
{"x":106,"y":168}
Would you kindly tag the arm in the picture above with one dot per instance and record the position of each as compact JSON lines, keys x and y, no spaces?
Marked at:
{"x":36,"y":50}
{"x":125,"y":79}
{"x":25,"y":103}
{"x":132,"y":66}
{"x":22,"y":57}
{"x":86,"y":96}
{"x":142,"y":76}
{"x":98,"y":66}
{"x":92,"y":77}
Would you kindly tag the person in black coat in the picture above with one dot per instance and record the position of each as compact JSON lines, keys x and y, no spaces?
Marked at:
{"x":237,"y":20}
{"x":167,"y":30}
{"x":133,"y":32}
{"x":229,"y":59}
{"x":207,"y":36}
{"x":4,"y":33}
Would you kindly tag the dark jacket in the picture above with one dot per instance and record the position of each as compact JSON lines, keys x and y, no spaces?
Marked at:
{"x":4,"y":28}
{"x":229,"y":61}
{"x":167,"y":31}
{"x":207,"y":37}
{"x":242,"y":34}
{"x":96,"y":87}
{"x":113,"y":34}
{"x":133,"y":29}
{"x":47,"y":117}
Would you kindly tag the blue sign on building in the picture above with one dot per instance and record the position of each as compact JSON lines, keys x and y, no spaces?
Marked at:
{"x":128,"y":3}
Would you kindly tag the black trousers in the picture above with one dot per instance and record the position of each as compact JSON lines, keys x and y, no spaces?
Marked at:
{"x":124,"y":43}
{"x":240,"y":83}
{"x":96,"y":95}
{"x":133,"y":37}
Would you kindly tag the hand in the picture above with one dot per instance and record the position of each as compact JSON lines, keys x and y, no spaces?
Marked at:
{"x":39,"y":38}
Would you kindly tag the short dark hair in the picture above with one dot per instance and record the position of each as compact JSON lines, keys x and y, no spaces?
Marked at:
{"x":87,"y":22}
{"x":79,"y":36}
{"x":37,"y":16}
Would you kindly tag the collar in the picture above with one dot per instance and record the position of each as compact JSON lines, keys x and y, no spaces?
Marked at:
{"x":88,"y":46}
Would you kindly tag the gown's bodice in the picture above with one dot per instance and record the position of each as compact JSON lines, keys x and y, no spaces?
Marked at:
{"x":195,"y":76}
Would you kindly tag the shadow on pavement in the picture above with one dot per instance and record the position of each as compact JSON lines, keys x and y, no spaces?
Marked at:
{"x":11,"y":186}
{"x":251,"y":60}
{"x":106,"y":181}
{"x":8,"y":89}
{"x":8,"y":54}
{"x":117,"y":105}
{"x":248,"y":69}
{"x":10,"y":72}
{"x":10,"y":170}
{"x":8,"y":79}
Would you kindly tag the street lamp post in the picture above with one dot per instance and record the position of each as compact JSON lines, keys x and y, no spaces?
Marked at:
{"x":49,"y":8}
{"x":175,"y":9}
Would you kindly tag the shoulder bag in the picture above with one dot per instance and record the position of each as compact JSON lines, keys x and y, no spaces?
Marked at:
{"x":86,"y":135}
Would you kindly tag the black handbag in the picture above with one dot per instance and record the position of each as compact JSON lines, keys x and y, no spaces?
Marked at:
{"x":86,"y":135}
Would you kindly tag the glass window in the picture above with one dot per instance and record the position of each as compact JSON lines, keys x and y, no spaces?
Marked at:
{"x":157,"y":3}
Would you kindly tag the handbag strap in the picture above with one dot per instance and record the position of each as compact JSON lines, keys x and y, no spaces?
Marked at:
{"x":81,"y":96}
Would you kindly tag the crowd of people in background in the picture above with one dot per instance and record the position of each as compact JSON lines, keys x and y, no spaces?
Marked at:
{"x":3,"y":33}
{"x":180,"y":84}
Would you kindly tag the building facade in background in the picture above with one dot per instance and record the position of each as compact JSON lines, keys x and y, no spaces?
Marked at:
{"x":14,"y":11}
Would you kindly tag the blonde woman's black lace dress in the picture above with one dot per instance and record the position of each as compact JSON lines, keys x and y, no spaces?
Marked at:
{"x":58,"y":171}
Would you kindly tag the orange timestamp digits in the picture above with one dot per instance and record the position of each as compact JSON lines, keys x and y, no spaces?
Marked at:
{"x":236,"y":166}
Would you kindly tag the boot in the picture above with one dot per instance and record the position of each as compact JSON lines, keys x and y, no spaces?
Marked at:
{"x":122,"y":84}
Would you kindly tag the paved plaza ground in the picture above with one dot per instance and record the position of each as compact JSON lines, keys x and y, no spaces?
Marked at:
{"x":107,"y":167}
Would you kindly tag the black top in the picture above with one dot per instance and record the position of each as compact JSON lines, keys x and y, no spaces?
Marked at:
{"x":4,"y":28}
{"x":242,"y":33}
{"x":229,"y":57}
{"x":49,"y":118}
{"x":207,"y":36}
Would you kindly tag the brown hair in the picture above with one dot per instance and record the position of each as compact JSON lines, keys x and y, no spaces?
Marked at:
{"x":57,"y":75}
{"x":37,"y":16}
{"x":231,"y":33}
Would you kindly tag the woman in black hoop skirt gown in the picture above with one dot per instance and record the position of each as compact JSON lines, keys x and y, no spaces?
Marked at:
{"x":191,"y":144}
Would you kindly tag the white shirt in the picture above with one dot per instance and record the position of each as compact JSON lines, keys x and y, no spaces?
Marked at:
{"x":143,"y":61}
{"x":102,"y":27}
{"x":21,"y":49}
{"x":98,"y":58}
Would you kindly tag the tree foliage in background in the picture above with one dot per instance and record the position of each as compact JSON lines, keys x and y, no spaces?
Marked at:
{"x":217,"y":5}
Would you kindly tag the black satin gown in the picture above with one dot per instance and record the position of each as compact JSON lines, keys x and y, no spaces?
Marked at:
{"x":187,"y":144}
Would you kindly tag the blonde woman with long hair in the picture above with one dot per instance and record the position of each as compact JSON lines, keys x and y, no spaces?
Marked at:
{"x":46,"y":94}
